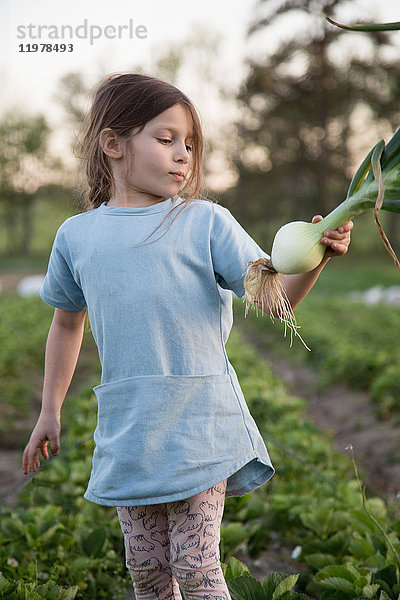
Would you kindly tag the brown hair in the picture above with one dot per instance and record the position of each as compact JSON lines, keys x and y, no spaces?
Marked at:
{"x":123,"y":102}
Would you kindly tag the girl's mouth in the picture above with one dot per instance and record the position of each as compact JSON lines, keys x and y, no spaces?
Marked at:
{"x":178,"y":176}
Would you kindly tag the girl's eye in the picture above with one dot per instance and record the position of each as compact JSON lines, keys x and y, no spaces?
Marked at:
{"x":166,"y":142}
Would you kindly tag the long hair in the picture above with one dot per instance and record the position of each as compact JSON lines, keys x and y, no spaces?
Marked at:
{"x":123,"y":102}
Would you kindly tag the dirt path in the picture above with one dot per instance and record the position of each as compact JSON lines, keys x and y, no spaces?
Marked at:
{"x":348,"y":415}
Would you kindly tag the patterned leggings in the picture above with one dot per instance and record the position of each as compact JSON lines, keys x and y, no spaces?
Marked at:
{"x":176,"y":543}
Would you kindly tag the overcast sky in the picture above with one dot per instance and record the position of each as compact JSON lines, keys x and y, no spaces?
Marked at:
{"x":29,"y":80}
{"x":31,"y":76}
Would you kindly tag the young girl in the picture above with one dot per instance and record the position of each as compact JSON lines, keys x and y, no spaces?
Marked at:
{"x":155,"y":266}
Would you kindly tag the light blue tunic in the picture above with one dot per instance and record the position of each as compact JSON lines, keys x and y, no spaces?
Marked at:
{"x":172,"y":420}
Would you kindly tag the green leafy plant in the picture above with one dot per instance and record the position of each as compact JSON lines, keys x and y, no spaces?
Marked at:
{"x":31,"y":591}
{"x":275,"y":586}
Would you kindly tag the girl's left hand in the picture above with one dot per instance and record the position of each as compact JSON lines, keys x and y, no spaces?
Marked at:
{"x":338,"y":240}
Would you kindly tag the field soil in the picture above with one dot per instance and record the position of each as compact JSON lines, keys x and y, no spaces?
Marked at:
{"x":348,"y":416}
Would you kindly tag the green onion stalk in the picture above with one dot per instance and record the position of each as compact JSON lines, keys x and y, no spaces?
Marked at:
{"x":297,"y":246}
{"x":367,"y":26}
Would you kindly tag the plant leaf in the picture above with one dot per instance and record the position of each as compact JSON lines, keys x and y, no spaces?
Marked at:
{"x":245,"y":587}
{"x":376,"y":157}
{"x":338,"y":571}
{"x":235,"y":568}
{"x":387,"y":574}
{"x":5,"y":585}
{"x":337,"y":583}
{"x":285,"y":586}
{"x":369,"y":590}
{"x":233,"y":534}
{"x":270,"y":583}
{"x":293,"y":596}
{"x":360,"y":174}
{"x":392,"y":148}
{"x":94,"y":543}
{"x":361,"y":546}
{"x":367,"y":26}
{"x":319,"y":560}
{"x":390,"y":157}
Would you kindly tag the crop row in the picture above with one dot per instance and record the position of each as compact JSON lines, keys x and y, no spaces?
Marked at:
{"x":350,"y":342}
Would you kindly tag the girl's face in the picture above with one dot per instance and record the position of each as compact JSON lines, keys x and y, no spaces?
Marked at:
{"x":157,"y":159}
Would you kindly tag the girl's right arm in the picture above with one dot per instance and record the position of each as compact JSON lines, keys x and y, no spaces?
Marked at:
{"x":62,"y":350}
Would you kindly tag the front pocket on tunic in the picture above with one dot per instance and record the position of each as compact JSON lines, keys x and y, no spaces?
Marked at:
{"x":169,"y":433}
{"x":161,"y":414}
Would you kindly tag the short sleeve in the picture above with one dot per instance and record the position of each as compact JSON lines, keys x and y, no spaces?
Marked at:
{"x":60,"y":288}
{"x":231,"y":249}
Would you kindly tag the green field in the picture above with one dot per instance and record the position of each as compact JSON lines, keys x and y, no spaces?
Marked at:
{"x":57,"y":545}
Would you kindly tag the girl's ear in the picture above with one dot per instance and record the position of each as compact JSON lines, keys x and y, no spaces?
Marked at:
{"x":110,"y":143}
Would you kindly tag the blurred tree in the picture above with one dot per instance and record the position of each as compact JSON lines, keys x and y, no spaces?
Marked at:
{"x":295,"y":156}
{"x":72,"y":94}
{"x":24,"y":166}
{"x":168,"y":63}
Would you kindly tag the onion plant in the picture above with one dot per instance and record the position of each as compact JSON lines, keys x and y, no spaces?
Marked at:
{"x":297,"y":246}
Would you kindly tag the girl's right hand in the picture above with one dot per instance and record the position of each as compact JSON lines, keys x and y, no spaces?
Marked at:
{"x":47,"y":430}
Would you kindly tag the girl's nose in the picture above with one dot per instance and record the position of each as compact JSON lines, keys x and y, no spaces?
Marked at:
{"x":182,"y":153}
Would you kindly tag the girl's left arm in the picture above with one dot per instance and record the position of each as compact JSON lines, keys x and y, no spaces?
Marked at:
{"x":337,"y":242}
